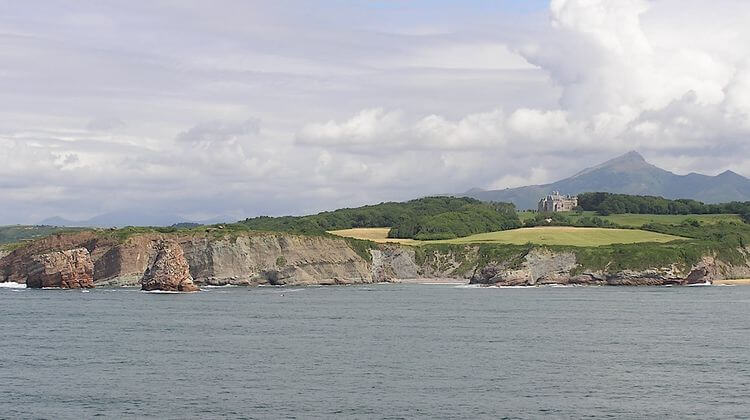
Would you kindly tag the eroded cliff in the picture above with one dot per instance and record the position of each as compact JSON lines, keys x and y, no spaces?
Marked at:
{"x":169,"y":270}
{"x":247,"y":259}
{"x":102,"y":259}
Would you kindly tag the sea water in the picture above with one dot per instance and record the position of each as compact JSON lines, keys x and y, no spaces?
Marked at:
{"x":380,"y":351}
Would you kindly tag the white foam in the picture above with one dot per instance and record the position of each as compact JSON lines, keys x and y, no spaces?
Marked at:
{"x":164,"y":292}
{"x":438,"y":283}
{"x":707,"y":283}
{"x":470,"y":286}
{"x":12,"y":285}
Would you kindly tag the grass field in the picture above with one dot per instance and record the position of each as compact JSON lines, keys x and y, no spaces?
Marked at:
{"x":638,"y":220}
{"x":548,"y":235}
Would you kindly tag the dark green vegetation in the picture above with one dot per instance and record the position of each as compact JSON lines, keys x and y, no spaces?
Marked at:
{"x":465,"y":220}
{"x":629,"y":174}
{"x":563,"y":219}
{"x":607,"y":203}
{"x":424,"y":218}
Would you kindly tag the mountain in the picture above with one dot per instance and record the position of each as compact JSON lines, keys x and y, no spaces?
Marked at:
{"x":119,"y":219}
{"x":629,"y":174}
{"x":132,"y":218}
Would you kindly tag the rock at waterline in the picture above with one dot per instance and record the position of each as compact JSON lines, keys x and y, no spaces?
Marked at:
{"x":71,"y":269}
{"x":169,"y":271}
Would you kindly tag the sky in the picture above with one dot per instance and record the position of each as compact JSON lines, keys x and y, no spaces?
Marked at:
{"x":246,"y":108}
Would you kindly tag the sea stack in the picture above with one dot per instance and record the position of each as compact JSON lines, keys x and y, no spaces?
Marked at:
{"x":170,"y":271}
{"x":71,"y":269}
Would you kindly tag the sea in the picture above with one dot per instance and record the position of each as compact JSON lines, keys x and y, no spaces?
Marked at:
{"x":386,"y":351}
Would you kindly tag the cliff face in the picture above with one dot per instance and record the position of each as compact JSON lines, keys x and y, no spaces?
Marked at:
{"x":542,"y":266}
{"x":70,"y":269}
{"x":274,"y":259}
{"x":252,"y":259}
{"x":166,"y":262}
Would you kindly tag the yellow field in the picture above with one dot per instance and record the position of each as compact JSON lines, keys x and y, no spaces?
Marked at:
{"x":548,"y":235}
{"x":379,"y":235}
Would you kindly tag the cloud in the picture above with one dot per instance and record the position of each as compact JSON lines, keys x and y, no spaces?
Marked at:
{"x":377,"y":129}
{"x":535,"y":176}
{"x":369,"y":126}
{"x":104,"y":124}
{"x":212,"y":133}
{"x":275,"y":108}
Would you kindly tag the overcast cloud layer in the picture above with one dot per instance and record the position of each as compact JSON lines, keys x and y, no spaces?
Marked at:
{"x":287,"y":107}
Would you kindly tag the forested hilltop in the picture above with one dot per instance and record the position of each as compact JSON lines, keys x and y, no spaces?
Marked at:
{"x":609,"y":203}
{"x":424,"y":218}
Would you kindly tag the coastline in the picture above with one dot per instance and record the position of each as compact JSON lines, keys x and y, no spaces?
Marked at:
{"x":456,"y":281}
{"x":732,"y":282}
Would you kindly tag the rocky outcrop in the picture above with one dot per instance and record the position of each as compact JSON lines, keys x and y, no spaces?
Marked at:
{"x":71,"y":269}
{"x":538,"y":266}
{"x":169,"y":270}
{"x":393,"y":263}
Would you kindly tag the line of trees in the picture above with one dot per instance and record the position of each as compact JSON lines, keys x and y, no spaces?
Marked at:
{"x":474,"y":217}
{"x":608,"y":203}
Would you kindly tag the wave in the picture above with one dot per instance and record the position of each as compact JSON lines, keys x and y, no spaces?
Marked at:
{"x":224,"y":286}
{"x":12,"y":285}
{"x":444,"y":283}
{"x":165,"y":292}
{"x":482,"y":286}
{"x":707,"y":283}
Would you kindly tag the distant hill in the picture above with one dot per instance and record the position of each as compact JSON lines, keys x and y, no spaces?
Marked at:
{"x":18,"y":233}
{"x":629,"y":174}
{"x":133,"y":218}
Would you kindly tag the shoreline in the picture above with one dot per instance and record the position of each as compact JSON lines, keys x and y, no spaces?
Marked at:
{"x":431,"y":281}
{"x":732,"y":282}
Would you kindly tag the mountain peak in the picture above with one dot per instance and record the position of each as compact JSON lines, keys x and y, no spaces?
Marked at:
{"x":730,"y":174}
{"x":632,"y":156}
{"x":631,"y":161}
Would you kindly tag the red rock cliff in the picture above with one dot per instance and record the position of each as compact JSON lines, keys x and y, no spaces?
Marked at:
{"x":71,"y":269}
{"x":169,"y":271}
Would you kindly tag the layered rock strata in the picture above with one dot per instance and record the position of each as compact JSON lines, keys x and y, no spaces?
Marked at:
{"x":282,"y":259}
{"x":541,"y":266}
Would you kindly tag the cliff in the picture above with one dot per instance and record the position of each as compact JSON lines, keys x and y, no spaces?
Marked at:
{"x":541,"y":266}
{"x":248,"y":259}
{"x":178,"y":261}
{"x":71,"y":269}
